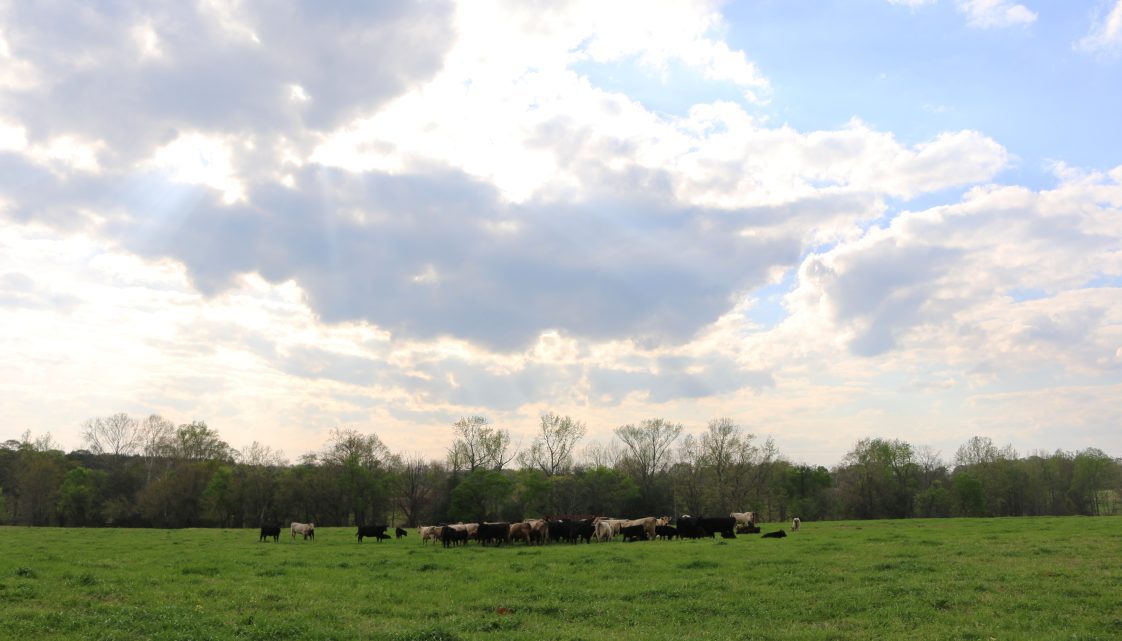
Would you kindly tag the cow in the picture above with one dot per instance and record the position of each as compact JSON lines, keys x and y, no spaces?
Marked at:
{"x":398,"y":532}
{"x":579,"y":530}
{"x":519,"y":531}
{"x":270,"y":530}
{"x":453,"y":536}
{"x":745,"y":518}
{"x":539,"y":531}
{"x":666,"y":532}
{"x":371,"y":531}
{"x":748,"y":529}
{"x":725,"y":525}
{"x":796,"y":523}
{"x":778,"y":534}
{"x":603,"y":531}
{"x":429,"y":533}
{"x":689,"y":527}
{"x":308,"y":530}
{"x":648,"y":524}
{"x":498,"y":533}
{"x":634,"y":533}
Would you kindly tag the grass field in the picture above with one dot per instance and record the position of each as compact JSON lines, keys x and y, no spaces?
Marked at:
{"x":1041,"y":578}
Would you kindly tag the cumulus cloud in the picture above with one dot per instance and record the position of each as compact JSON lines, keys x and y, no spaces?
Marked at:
{"x":934,"y":275}
{"x":991,"y":14}
{"x":1105,"y":37}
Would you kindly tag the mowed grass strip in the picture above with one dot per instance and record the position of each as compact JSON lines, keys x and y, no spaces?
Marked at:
{"x":1039,"y":578}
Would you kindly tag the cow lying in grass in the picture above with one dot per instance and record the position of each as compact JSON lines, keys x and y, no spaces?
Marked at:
{"x":748,"y":529}
{"x":778,"y":534}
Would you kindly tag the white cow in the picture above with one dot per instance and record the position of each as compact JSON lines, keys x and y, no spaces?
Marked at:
{"x":307,"y":530}
{"x":744,"y":518}
{"x":795,"y":524}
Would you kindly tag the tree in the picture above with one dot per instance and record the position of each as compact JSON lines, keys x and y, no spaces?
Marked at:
{"x":418,"y":482}
{"x":480,"y":495}
{"x":197,"y":442}
{"x":117,"y":435}
{"x":79,"y":497}
{"x":552,"y":449}
{"x":878,"y":479}
{"x":157,"y":443}
{"x":647,"y":448}
{"x":727,"y":452}
{"x":478,"y":445}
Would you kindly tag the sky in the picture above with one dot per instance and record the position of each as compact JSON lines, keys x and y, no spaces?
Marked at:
{"x":824,"y":220}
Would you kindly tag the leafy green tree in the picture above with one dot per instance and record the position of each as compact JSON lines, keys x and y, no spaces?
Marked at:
{"x":969,"y":494}
{"x":80,"y":497}
{"x":480,"y":495}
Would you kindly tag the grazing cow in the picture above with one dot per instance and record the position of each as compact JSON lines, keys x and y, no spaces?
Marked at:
{"x":748,"y":529}
{"x":519,"y":531}
{"x":603,"y":531}
{"x":689,"y":527}
{"x":429,"y":533}
{"x":648,"y":524}
{"x":745,"y":518}
{"x":382,"y":536}
{"x":666,"y":532}
{"x":307,"y":530}
{"x":581,"y":530}
{"x":725,"y":525}
{"x":539,"y":531}
{"x":796,"y":523}
{"x":498,"y":533}
{"x":398,"y":532}
{"x":270,"y":530}
{"x":453,"y":536}
{"x":372,"y":531}
{"x":633,"y":533}
{"x":775,"y":535}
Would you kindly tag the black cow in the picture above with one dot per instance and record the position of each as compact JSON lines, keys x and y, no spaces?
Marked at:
{"x":723,"y":525}
{"x":452,"y":536}
{"x":498,"y":533}
{"x":689,"y":527}
{"x":372,"y":531}
{"x":270,"y":530}
{"x":400,"y":532}
{"x":558,"y":529}
{"x":751,"y":528}
{"x":633,"y":533}
{"x":775,"y":535}
{"x":581,"y":530}
{"x":666,"y":532}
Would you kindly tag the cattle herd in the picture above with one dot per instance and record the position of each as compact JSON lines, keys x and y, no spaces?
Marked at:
{"x":568,"y":529}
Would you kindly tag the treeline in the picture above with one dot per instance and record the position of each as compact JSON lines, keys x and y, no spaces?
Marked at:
{"x":152,"y":473}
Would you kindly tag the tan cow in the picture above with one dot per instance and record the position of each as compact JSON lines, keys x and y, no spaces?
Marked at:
{"x":744,"y":518}
{"x":603,"y":532}
{"x":519,"y":531}
{"x":796,"y":523}
{"x":648,"y":524}
{"x":539,"y":531}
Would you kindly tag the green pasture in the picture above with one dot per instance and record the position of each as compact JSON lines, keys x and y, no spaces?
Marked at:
{"x":1016,"y":578}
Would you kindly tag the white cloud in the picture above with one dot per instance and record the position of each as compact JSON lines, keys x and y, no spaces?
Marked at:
{"x":1105,"y":36}
{"x":992,"y":14}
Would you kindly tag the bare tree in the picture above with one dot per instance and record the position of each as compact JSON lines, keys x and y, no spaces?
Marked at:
{"x":157,"y":442}
{"x":597,"y":454}
{"x":478,"y":445}
{"x":647,"y":447}
{"x":728,"y":452}
{"x":118,"y":435}
{"x":552,"y":449}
